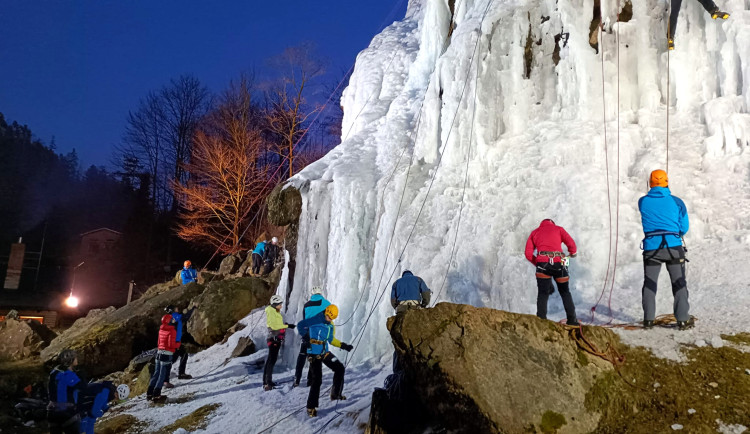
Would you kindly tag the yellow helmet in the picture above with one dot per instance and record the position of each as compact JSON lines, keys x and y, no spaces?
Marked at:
{"x":332,"y":311}
{"x":658,"y":179}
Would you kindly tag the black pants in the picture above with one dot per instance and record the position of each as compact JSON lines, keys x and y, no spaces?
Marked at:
{"x":544,"y":274}
{"x":257,"y":263}
{"x":708,"y":5}
{"x":274,"y":346}
{"x":267,"y":266}
{"x":181,"y":354}
{"x":64,"y":422}
{"x":301,"y":359}
{"x":316,"y":367}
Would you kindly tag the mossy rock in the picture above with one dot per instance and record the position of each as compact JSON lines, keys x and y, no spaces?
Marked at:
{"x":227,"y":301}
{"x":284,"y":205}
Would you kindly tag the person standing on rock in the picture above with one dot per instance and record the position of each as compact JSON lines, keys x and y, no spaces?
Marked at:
{"x":64,"y":388}
{"x":665,"y":221}
{"x":181,"y":320}
{"x":270,"y":255}
{"x":167,"y":345}
{"x":276,"y":332}
{"x":315,"y":306}
{"x":320,"y":332}
{"x":188,"y":273}
{"x":257,"y":256}
{"x":547,"y":240}
{"x":409,"y":292}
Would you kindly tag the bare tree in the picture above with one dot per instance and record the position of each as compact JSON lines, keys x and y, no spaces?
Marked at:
{"x":288,"y":112}
{"x":227,"y":175}
{"x":159,"y":134}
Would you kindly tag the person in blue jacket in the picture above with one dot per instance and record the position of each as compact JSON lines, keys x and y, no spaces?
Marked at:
{"x":257,"y":255}
{"x":182,"y":336}
{"x":315,"y":306}
{"x":409,"y":292}
{"x":96,"y":402}
{"x":64,"y":388}
{"x":188,"y":273}
{"x":320,"y":332}
{"x":665,"y":222}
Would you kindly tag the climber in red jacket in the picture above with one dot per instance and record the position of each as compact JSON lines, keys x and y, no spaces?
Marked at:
{"x":167,"y":345}
{"x":550,"y":262}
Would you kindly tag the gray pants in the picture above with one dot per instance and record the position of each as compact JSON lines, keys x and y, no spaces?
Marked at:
{"x":674,"y":258}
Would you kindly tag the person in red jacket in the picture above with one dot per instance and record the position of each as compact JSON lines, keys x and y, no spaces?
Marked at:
{"x":167,"y":345}
{"x":547,"y":240}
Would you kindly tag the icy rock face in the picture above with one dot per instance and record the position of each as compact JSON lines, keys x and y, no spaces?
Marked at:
{"x":468,"y":122}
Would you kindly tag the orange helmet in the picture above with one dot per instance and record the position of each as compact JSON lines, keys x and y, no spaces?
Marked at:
{"x":188,"y":264}
{"x":658,"y":179}
{"x":332,"y":311}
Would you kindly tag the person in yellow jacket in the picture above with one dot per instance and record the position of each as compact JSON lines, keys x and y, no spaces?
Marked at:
{"x":276,"y":331}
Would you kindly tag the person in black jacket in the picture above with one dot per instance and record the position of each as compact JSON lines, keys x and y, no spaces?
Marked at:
{"x":708,"y":5}
{"x":270,"y":255}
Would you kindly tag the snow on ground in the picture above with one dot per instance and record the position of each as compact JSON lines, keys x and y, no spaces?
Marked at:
{"x":445,"y":91}
{"x":236,"y":384}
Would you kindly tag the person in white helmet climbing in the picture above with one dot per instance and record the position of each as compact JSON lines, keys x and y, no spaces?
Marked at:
{"x":271,"y":255}
{"x":276,"y":332}
{"x":708,"y":5}
{"x":313,"y":307}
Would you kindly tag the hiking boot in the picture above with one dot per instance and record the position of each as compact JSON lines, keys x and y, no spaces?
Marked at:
{"x":684,"y":325}
{"x":267,"y":387}
{"x":295,"y":384}
{"x":648,"y":324}
{"x":168,"y":385}
{"x":312,"y":412}
{"x":670,"y":43}
{"x":719,"y":14}
{"x":149,"y":398}
{"x":338,"y":397}
{"x":160,"y":398}
{"x":573,"y":323}
{"x":185,"y":377}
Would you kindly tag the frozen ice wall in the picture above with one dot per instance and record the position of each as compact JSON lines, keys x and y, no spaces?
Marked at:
{"x":509,"y":99}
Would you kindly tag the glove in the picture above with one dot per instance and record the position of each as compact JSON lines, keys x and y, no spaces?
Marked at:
{"x":346,"y":347}
{"x":573,"y":255}
{"x":291,"y":326}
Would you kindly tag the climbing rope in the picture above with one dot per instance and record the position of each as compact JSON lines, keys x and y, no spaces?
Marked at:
{"x":669,"y":73}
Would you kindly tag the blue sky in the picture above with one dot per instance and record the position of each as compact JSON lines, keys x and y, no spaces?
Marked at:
{"x":73,"y":69}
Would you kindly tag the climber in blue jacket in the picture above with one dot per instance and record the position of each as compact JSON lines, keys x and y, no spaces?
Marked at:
{"x":319,"y":330}
{"x":315,"y":306}
{"x":188,"y":273}
{"x":258,"y":252}
{"x":665,"y":221}
{"x":64,"y":388}
{"x":96,"y":401}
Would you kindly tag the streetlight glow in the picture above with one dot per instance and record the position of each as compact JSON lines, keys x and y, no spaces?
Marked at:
{"x":71,"y":301}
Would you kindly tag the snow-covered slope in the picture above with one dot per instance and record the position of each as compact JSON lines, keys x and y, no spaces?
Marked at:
{"x":496,"y":115}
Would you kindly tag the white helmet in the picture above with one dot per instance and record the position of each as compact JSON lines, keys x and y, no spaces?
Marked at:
{"x":317,"y":290}
{"x":276,"y":299}
{"x":274,"y":240}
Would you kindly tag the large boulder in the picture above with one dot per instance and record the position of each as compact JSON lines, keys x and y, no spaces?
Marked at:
{"x":20,"y":339}
{"x":230,"y":264}
{"x":107,"y":340}
{"x":227,"y":301}
{"x":284,"y":205}
{"x":484,"y":370}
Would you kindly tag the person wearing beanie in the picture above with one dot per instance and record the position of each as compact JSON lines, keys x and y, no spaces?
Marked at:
{"x":665,"y":221}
